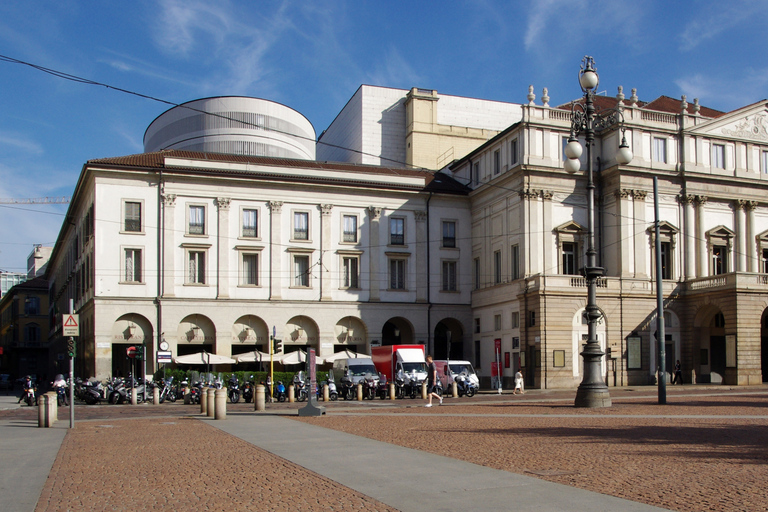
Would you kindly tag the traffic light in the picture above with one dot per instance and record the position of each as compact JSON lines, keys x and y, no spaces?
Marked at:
{"x":71,"y":347}
{"x":140,"y":352}
{"x":277,"y":345}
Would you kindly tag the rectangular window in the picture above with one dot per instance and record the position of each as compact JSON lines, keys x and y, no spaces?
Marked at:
{"x":514,"y":267}
{"x":197,"y":220}
{"x":196,"y":267}
{"x":397,"y":231}
{"x":132,"y":266}
{"x":513,"y":152}
{"x":496,"y":322}
{"x":397,"y":274}
{"x":764,"y":161}
{"x":476,"y":276}
{"x":301,"y":271}
{"x":449,"y":234}
{"x":515,"y":319}
{"x":350,"y":228}
{"x":250,"y":274}
{"x":32,"y":306}
{"x":476,"y":173}
{"x":531,"y":318}
{"x":132,"y":216}
{"x":496,"y":162}
{"x":570,"y":266}
{"x":719,"y":260}
{"x":250,"y":223}
{"x":666,"y":267}
{"x":497,"y":267}
{"x":300,"y":225}
{"x":449,"y":276}
{"x":477,"y":325}
{"x":351,"y":266}
{"x":765,"y":261}
{"x":477,"y":354}
{"x":718,"y":156}
{"x":660,"y":150}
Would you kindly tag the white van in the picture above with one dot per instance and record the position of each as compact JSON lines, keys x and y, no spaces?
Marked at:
{"x":358,"y":368}
{"x":448,"y":370}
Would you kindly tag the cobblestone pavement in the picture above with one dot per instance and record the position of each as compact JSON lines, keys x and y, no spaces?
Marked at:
{"x":704,"y":450}
{"x":181,"y":464}
{"x":697,"y":452}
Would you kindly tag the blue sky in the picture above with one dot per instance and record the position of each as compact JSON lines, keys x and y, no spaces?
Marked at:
{"x":312,"y":56}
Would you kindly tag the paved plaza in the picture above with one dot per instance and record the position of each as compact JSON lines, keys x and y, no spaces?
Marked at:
{"x":706,"y":449}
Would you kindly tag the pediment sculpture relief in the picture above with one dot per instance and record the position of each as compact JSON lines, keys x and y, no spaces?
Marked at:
{"x":751,"y":127}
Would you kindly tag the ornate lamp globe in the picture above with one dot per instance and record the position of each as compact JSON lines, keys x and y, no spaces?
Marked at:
{"x":573,"y":148}
{"x":624,"y":155}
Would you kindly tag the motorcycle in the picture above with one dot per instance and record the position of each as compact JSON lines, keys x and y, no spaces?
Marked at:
{"x":347,"y":387}
{"x":167,"y":392}
{"x":136,"y":386}
{"x":280,"y":394}
{"x":116,"y":391}
{"x":300,"y":387}
{"x":248,"y":390}
{"x":382,"y":389}
{"x":234,"y":389}
{"x":60,"y":385}
{"x":195,"y":392}
{"x":333,"y":395}
{"x":413,"y":385}
{"x":370,"y":386}
{"x":464,"y":386}
{"x":30,"y":394}
{"x":91,"y":392}
{"x":400,"y":384}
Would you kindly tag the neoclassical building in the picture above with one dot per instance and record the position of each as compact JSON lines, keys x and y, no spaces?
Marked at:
{"x":215,"y":252}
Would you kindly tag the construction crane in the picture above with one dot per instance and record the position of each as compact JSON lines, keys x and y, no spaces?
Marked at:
{"x":38,"y":200}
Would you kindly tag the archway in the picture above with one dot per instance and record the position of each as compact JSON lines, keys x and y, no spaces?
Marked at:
{"x":397,"y":331}
{"x":249,"y":333}
{"x":351,"y":334}
{"x":131,"y":330}
{"x":301,"y":332}
{"x":196,"y":333}
{"x":449,"y":339}
{"x":764,"y":345}
{"x":709,"y":330}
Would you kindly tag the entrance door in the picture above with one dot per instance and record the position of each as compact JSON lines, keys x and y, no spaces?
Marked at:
{"x":717,"y":359}
{"x":669,"y":359}
{"x":764,"y":358}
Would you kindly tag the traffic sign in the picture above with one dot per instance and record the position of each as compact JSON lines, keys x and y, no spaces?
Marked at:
{"x":70,"y":325}
{"x":131,"y":351}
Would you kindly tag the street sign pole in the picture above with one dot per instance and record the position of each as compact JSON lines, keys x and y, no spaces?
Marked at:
{"x":72,"y":371}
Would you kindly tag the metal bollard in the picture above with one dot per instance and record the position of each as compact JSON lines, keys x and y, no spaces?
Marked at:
{"x":291,"y":395}
{"x":220,"y":399}
{"x":260,"y":398}
{"x":156,"y":395}
{"x":424,"y":390}
{"x":53,"y":406}
{"x":134,"y":395}
{"x":392,"y":391}
{"x":211,"y":399}
{"x":187,"y":396}
{"x":203,"y":401}
{"x":454,"y":389}
{"x":326,"y":394}
{"x":43,"y":414}
{"x":359,"y":392}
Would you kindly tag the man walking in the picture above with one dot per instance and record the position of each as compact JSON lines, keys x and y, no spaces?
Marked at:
{"x":431,"y":382}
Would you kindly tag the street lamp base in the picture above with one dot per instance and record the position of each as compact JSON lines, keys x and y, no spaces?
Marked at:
{"x":588,"y":396}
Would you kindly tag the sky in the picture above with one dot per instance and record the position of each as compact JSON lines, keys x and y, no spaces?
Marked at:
{"x":313,"y":55}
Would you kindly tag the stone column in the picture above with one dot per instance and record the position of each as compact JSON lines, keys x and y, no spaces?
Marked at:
{"x":375,"y":252}
{"x":222,"y":242}
{"x":169,"y":245}
{"x":546,"y":197}
{"x":702,"y":268}
{"x":639,"y":235}
{"x":624,"y":238}
{"x":533,"y":237}
{"x":276,"y":249}
{"x":752,"y":254}
{"x":689,"y":236}
{"x":421,"y":252}
{"x":740,"y":221}
{"x":325,"y":253}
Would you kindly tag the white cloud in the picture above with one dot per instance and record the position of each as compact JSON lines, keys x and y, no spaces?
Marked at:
{"x":711,"y":21}
{"x":394,"y":71}
{"x":18,"y":142}
{"x":723,"y":93}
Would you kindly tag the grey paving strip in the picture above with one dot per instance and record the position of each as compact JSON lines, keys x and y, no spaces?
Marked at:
{"x":28,"y":454}
{"x":407,"y":479}
{"x":589,"y":416}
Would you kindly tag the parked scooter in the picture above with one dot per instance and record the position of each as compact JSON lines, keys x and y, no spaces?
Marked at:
{"x":29,"y":395}
{"x":234,"y":389}
{"x":116,"y":391}
{"x":300,"y":387}
{"x":382,"y":390}
{"x":248,"y":390}
{"x":413,"y":384}
{"x":92,"y":392}
{"x":280,"y":394}
{"x":370,"y":386}
{"x":333,"y":394}
{"x":400,"y":384}
{"x":60,"y":386}
{"x":347,"y":388}
{"x":464,"y":386}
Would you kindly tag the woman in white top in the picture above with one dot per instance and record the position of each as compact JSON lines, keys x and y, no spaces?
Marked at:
{"x":518,"y":383}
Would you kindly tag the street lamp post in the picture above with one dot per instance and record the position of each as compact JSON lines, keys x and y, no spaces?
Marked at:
{"x":592,"y":391}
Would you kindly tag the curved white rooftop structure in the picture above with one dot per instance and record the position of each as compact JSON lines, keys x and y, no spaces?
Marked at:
{"x":235,"y":125}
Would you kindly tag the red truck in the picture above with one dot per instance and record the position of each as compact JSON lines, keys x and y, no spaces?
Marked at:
{"x":388,"y":359}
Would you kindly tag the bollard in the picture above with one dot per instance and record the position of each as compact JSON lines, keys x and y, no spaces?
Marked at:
{"x":134,"y":395}
{"x":392,"y":391}
{"x":203,"y":400}
{"x":211,"y":399}
{"x":359,"y":392}
{"x":454,"y":389}
{"x":290,"y":393}
{"x":260,"y":398}
{"x":424,"y":390}
{"x":53,"y":406}
{"x":156,"y":395}
{"x":43,"y":412}
{"x":326,"y":394}
{"x":187,"y":396}
{"x":220,"y":407}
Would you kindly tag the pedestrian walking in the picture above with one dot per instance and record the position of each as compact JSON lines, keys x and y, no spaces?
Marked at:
{"x":432,"y":382}
{"x":678,"y":373}
{"x":519,"y":383}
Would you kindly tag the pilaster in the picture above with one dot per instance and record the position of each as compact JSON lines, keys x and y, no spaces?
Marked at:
{"x":222,"y":243}
{"x":276,"y":253}
{"x":325,"y":249}
{"x":374,"y":221}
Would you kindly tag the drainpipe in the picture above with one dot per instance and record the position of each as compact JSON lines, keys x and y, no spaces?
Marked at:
{"x":430,"y":343}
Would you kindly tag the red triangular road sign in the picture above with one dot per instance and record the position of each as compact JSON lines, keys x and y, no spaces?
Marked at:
{"x":70,"y":321}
